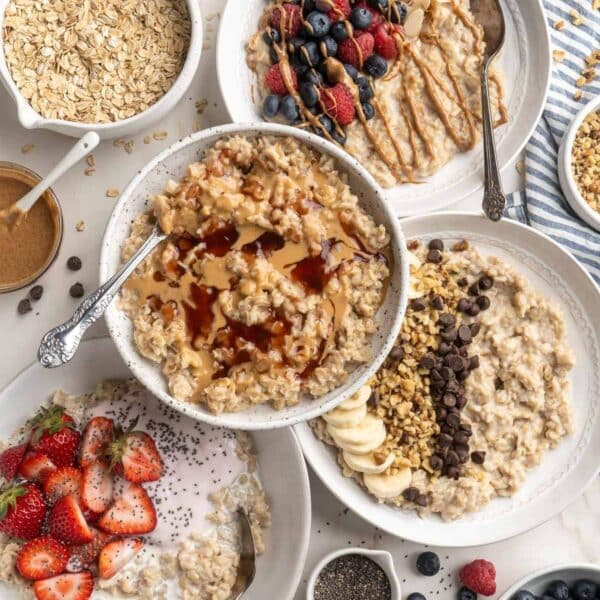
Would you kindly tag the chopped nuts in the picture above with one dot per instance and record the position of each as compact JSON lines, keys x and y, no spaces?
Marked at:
{"x":27,"y":148}
{"x":558,"y":55}
{"x":559,"y":25}
{"x":80,"y":226}
{"x":112,"y":193}
{"x":586,"y":160}
{"x":160,"y":135}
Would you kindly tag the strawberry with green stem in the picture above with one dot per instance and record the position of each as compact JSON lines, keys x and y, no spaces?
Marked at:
{"x":55,"y":435}
{"x":22,"y":511}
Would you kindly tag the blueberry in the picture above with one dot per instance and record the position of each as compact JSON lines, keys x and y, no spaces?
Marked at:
{"x":288,"y":109}
{"x":271,"y":36}
{"x":558,"y":589}
{"x":352,"y":71}
{"x":365,"y":91}
{"x":584,"y":589}
{"x":338,"y":31}
{"x":416,"y":596}
{"x":314,"y":110}
{"x":368,"y":110}
{"x":327,"y":123}
{"x":524,"y":595}
{"x":313,"y":76}
{"x":297,"y":63}
{"x":398,"y":13}
{"x":328,"y":46}
{"x":375,"y":66}
{"x":309,"y":6}
{"x":361,"y":18}
{"x":270,"y":106}
{"x":309,"y":53}
{"x":317,"y":24}
{"x":428,"y":563}
{"x":308,"y":93}
{"x":466,"y":594}
{"x":339,"y":136}
{"x":379,"y":4}
{"x":295,"y":43}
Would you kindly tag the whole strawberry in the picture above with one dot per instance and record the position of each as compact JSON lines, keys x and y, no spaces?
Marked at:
{"x":479,"y":576}
{"x":55,"y":435}
{"x":10,"y":460}
{"x":274,"y":80}
{"x":22,"y":511}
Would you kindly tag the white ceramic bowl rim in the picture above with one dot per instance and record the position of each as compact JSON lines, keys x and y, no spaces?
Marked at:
{"x":347,"y":163}
{"x":31,"y":119}
{"x":590,"y":107}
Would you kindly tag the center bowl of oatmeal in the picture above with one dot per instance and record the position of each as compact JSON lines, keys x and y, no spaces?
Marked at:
{"x":280,"y":288}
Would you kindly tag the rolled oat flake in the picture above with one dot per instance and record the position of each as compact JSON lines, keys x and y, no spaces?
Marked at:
{"x":352,"y":577}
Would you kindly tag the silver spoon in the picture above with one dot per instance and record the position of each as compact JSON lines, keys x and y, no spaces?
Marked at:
{"x":59,"y":345}
{"x":247,"y":565}
{"x":488,"y":14}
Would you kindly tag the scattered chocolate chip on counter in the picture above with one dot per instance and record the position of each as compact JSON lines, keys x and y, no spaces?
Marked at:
{"x":24,"y":306}
{"x":36,"y":292}
{"x":76,"y":290}
{"x":74,"y":263}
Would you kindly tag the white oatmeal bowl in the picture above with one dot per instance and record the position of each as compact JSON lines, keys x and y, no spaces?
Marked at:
{"x":162,"y":90}
{"x":342,"y":367}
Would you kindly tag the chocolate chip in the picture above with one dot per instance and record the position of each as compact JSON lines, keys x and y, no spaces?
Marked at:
{"x":464,"y":334}
{"x":24,"y":306}
{"x":411,"y":494}
{"x":445,"y":428}
{"x":444,"y":439}
{"x":463,"y":282}
{"x":474,"y":289}
{"x":444,"y":348}
{"x":74,"y":263}
{"x":434,"y":256}
{"x":462,"y":375}
{"x":447,"y":320}
{"x":460,"y":401}
{"x":418,"y":305}
{"x":456,"y":363}
{"x":483,"y":302}
{"x":474,"y":310}
{"x":463,"y":352}
{"x":449,"y":400}
{"x":448,"y":335}
{"x":486,"y":282}
{"x":466,"y":428}
{"x":435,"y":376}
{"x":478,"y":457}
{"x":397,"y":353}
{"x":437,"y":462}
{"x":474,"y":362}
{"x":76,"y":290}
{"x":452,"y":458}
{"x":463,"y":453}
{"x":446,"y":373}
{"x":436,"y":244}
{"x":460,"y":437}
{"x":36,"y":292}
{"x":422,"y":500}
{"x":452,"y":385}
{"x":441,"y":413}
{"x":453,"y":472}
{"x":475,"y":328}
{"x":463,"y":305}
{"x":498,"y":383}
{"x":437,"y":302}
{"x":427,"y":361}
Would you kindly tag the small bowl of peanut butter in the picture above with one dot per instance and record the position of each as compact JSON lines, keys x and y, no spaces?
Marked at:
{"x":29,"y":246}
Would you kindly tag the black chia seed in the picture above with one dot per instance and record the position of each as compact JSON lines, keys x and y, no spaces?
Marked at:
{"x":352,"y":577}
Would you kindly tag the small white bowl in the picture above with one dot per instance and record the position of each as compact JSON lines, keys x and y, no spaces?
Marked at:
{"x":565,"y":168}
{"x":30,"y":119}
{"x":537,"y":582}
{"x":381,"y":557}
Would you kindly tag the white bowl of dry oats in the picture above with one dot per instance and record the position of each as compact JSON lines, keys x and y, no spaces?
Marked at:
{"x":113,"y":67}
{"x":280,"y":289}
{"x":579,"y":164}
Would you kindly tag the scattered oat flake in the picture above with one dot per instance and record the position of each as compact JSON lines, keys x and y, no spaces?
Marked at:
{"x":558,"y":55}
{"x":160,"y":135}
{"x":27,"y":148}
{"x":559,"y":25}
{"x":520,"y":166}
{"x":80,"y":225}
{"x":90,"y":171}
{"x":577,"y":95}
{"x":112,"y":192}
{"x":129,"y":146}
{"x":201,"y":105}
{"x":147,"y":139}
{"x":580,"y":82}
{"x":90,"y":160}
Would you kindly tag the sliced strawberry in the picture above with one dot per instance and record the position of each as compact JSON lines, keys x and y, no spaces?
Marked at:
{"x":131,"y":514}
{"x":135,"y":457}
{"x":41,"y":558}
{"x":55,"y":435}
{"x":67,"y":523}
{"x":81,"y":557}
{"x":36,"y":466}
{"x":97,"y":488}
{"x":10,"y":460}
{"x":22,"y":511}
{"x":97,"y":436}
{"x":63,"y":481}
{"x":115,"y":555}
{"x":73,"y":586}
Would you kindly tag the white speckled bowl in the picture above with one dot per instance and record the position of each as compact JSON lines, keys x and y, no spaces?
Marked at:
{"x":30,"y":119}
{"x":172,"y":163}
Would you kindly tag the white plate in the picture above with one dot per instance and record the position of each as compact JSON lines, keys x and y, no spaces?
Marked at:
{"x":282,"y":468}
{"x":172,"y":163}
{"x":564,"y":472}
{"x":525,"y":63}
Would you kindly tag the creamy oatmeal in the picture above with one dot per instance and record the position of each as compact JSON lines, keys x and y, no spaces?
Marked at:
{"x":209,"y":473}
{"x":471,"y":397}
{"x":412,"y":101}
{"x":269,"y":283}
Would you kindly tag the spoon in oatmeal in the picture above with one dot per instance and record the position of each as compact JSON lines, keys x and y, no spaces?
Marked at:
{"x":247,"y":565}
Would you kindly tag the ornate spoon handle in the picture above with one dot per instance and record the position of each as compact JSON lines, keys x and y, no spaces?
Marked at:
{"x":59,"y":345}
{"x":494,"y":199}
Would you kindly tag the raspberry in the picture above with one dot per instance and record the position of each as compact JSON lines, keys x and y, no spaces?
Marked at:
{"x":349,"y":53}
{"x":385,"y":44}
{"x":340,"y":6}
{"x":378,"y":18}
{"x":479,"y":576}
{"x":274,"y":80}
{"x":339,"y":103}
{"x":292,"y":20}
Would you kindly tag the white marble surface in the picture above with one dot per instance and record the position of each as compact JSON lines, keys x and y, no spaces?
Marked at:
{"x":572,"y":536}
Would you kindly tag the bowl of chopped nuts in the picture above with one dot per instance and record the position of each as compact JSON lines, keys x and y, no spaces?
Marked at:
{"x":113,"y":67}
{"x":579,"y":164}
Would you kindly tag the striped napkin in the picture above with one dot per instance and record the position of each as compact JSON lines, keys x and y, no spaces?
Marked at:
{"x":542,"y":204}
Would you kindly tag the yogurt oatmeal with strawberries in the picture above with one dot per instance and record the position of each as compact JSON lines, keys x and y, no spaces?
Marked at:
{"x":269,"y":283}
{"x":472,"y":396}
{"x":396,"y":83}
{"x":128,"y":498}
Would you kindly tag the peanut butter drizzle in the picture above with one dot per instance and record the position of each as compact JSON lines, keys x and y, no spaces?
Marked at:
{"x":415,"y":121}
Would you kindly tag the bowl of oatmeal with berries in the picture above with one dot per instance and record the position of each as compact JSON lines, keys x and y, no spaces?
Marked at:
{"x":280,"y":283}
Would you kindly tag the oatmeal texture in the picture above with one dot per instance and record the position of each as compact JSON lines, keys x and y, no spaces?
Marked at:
{"x":517,"y":397}
{"x":427,"y":106}
{"x":270,"y":282}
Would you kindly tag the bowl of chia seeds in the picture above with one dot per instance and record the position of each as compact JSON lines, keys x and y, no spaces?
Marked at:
{"x":354,"y":574}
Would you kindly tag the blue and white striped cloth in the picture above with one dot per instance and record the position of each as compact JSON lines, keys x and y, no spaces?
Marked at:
{"x":542,"y":204}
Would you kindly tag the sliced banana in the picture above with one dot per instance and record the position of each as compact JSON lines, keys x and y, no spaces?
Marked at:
{"x":365,"y":463}
{"x":346,"y":418}
{"x":361,"y":397}
{"x":414,"y":263}
{"x":374,"y":443}
{"x":362,"y":433}
{"x":388,"y":486}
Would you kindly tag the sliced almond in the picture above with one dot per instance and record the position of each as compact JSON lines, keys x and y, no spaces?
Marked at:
{"x":414,"y":23}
